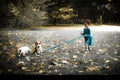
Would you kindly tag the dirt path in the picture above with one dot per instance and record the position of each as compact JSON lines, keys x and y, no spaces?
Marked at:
{"x":65,"y":60}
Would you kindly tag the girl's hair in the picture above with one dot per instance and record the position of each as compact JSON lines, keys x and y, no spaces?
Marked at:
{"x":87,"y":21}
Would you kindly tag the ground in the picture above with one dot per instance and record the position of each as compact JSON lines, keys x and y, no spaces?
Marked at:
{"x":103,"y":59}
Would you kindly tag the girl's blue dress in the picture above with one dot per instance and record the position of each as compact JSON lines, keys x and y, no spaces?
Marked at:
{"x":88,"y":36}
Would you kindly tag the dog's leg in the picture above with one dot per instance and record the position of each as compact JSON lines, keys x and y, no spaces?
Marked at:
{"x":35,"y":51}
{"x":41,"y":50}
{"x":24,"y":54}
{"x":19,"y":54}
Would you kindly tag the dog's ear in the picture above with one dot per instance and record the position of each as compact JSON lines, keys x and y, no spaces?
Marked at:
{"x":29,"y":51}
{"x":39,"y":42}
{"x":16,"y":50}
{"x":36,"y":43}
{"x":19,"y":50}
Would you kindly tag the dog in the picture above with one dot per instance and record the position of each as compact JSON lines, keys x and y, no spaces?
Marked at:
{"x":38,"y":47}
{"x":23,"y":51}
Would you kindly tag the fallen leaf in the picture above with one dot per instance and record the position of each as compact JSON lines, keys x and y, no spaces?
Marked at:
{"x":7,"y":53}
{"x":85,"y":54}
{"x":56,"y":70}
{"x":53,"y":51}
{"x":65,"y":62}
{"x":90,"y":60}
{"x":92,"y":63}
{"x":16,"y":72}
{"x":75,"y":65}
{"x":75,"y":56}
{"x":24,"y":68}
{"x":107,"y":61}
{"x":107,"y":67}
{"x":117,"y":46}
{"x":55,"y":63}
{"x":50,"y":67}
{"x":100,"y":50}
{"x":9,"y":33}
{"x":21,"y":62}
{"x":9,"y":70}
{"x":41,"y":65}
{"x":80,"y":71}
{"x":34,"y":64}
{"x":115,"y":59}
{"x":85,"y":61}
{"x":93,"y":68}
{"x":4,"y":47}
{"x":12,"y":55}
{"x":66,"y":53}
{"x":41,"y":71}
{"x":78,"y":51}
{"x":0,"y":44}
{"x":11,"y":42}
{"x":115,"y":52}
{"x":18,"y":45}
{"x":74,"y":62}
{"x":60,"y":73}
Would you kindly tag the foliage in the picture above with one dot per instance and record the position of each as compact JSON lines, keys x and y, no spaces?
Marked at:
{"x":26,"y":13}
{"x":98,"y":11}
{"x":21,"y":14}
{"x":63,"y":13}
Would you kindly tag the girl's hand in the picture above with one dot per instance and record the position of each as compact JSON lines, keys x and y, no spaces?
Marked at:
{"x":81,"y":33}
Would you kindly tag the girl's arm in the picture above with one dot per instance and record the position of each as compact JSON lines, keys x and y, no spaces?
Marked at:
{"x":90,"y":32}
{"x":82,"y":33}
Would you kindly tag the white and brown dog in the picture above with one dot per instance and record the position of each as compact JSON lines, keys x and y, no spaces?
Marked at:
{"x":38,"y":47}
{"x":23,"y":51}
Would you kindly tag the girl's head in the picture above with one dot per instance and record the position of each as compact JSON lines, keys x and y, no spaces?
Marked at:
{"x":86,"y":24}
{"x":88,"y":21}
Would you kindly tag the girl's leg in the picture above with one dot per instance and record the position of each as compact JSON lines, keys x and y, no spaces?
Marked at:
{"x":86,"y":47}
{"x":89,"y":48}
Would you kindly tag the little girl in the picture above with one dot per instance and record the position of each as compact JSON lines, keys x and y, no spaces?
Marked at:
{"x":87,"y":36}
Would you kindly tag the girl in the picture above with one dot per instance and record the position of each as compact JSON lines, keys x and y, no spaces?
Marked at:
{"x":87,"y":36}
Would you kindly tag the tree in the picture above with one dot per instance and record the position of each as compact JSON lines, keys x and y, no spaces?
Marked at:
{"x":24,"y":13}
{"x":64,"y":14}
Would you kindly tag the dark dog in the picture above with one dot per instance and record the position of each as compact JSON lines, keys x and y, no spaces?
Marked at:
{"x":38,"y":47}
